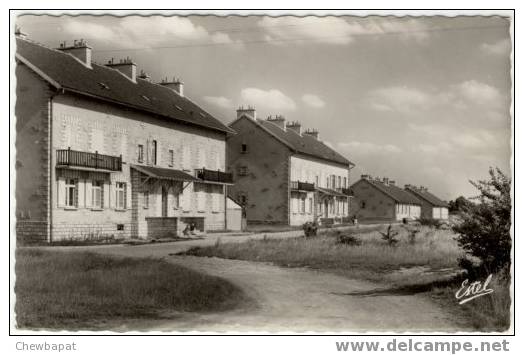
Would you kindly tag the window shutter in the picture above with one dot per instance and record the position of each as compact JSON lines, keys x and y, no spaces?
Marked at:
{"x":80,"y":193}
{"x":88,"y":184}
{"x":60,"y":192}
{"x":107,"y":200}
{"x":127,"y":193}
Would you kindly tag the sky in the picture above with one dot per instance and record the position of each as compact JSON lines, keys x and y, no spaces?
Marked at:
{"x":421,"y":100}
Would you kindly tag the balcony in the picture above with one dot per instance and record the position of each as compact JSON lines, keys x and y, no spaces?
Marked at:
{"x":74,"y":158}
{"x":302,"y":186}
{"x":214,"y":176}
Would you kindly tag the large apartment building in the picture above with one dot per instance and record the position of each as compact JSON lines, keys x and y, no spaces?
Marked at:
{"x":103,"y":151}
{"x":284,"y":175}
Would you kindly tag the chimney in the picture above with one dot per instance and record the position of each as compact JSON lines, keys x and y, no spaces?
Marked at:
{"x":144,"y":76}
{"x":279,"y":120}
{"x":365,"y":177}
{"x":176,"y":85}
{"x":125,"y":66}
{"x":80,"y":50}
{"x":312,"y":133}
{"x":423,"y":188}
{"x":19,"y":33}
{"x":294,"y":126}
{"x":392,"y":182}
{"x":385,"y":180}
{"x":408,"y":186}
{"x":249,"y":112}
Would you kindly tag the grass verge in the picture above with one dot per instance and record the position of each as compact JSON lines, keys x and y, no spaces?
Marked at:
{"x":72,"y":290}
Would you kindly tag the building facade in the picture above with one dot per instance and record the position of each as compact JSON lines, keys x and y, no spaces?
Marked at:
{"x":104,"y":152}
{"x":381,"y":200}
{"x":286,"y":176}
{"x":432,"y":206}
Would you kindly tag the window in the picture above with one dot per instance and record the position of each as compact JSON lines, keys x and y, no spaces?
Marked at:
{"x":120,"y":195}
{"x":97,"y":194}
{"x":244,"y":148}
{"x":171,"y":157}
{"x":146,"y":199}
{"x":339,"y":182}
{"x":327,"y":182}
{"x":363,"y":204}
{"x":140,"y":157}
{"x":316,"y":180}
{"x":345,"y":182}
{"x":303,"y":205}
{"x":310,"y":209}
{"x":154,"y":146}
{"x":333,"y":181}
{"x":186,"y":158}
{"x":242,"y":171}
{"x":70,"y":193}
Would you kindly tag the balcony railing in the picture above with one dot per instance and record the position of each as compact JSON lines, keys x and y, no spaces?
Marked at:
{"x":77,"y":158}
{"x":302,"y":186}
{"x":215,"y":176}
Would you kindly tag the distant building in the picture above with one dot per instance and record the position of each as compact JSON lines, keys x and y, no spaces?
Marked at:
{"x":284,"y":175}
{"x":432,"y":206}
{"x":102,"y":151}
{"x":381,"y":200}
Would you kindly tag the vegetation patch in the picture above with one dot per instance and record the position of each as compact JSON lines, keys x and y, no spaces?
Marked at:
{"x":81,"y":290}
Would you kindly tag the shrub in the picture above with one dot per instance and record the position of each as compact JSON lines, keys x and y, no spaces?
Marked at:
{"x":348,"y":239}
{"x":389,"y":236}
{"x":484,"y":232}
{"x":430,"y":222}
{"x":310,"y":229}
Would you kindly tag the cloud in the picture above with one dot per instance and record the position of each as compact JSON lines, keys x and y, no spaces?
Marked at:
{"x":337,"y":30}
{"x":137,"y":31}
{"x":313,"y":101}
{"x":398,"y":98}
{"x":369,"y":148}
{"x":219,"y":101}
{"x":478,"y":92}
{"x":476,"y":139}
{"x":502,"y":47}
{"x":272,"y":99}
{"x":467,"y":95}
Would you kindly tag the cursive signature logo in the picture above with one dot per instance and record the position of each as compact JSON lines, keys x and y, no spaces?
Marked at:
{"x":471,"y":291}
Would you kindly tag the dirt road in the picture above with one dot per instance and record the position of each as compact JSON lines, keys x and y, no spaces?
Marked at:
{"x":293,"y":299}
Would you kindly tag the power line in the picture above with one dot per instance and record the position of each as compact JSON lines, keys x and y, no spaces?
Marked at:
{"x":283,"y":40}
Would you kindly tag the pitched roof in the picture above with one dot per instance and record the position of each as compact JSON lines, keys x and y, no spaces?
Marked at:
{"x":304,"y":144}
{"x":109,"y":84}
{"x":395,"y":192}
{"x":427,"y":196}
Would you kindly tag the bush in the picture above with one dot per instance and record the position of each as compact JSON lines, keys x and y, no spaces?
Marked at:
{"x":484,"y":232}
{"x":348,"y":239}
{"x":389,"y":236}
{"x":430,"y":222}
{"x":310,"y":229}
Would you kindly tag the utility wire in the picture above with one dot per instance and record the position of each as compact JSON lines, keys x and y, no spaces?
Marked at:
{"x":283,"y":40}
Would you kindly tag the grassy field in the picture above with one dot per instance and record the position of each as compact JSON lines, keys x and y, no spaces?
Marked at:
{"x":424,"y":264}
{"x":373,"y":259}
{"x":80,"y":290}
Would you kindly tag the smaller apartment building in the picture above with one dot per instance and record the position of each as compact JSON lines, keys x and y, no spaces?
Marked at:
{"x":284,"y":175}
{"x":432,"y":206}
{"x":381,"y":200}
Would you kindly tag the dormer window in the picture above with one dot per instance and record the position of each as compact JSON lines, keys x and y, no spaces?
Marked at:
{"x":103,"y":86}
{"x":243,"y":148}
{"x":145,"y":98}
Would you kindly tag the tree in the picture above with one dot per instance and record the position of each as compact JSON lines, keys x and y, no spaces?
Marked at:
{"x":485,"y":229}
{"x":459,"y":204}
